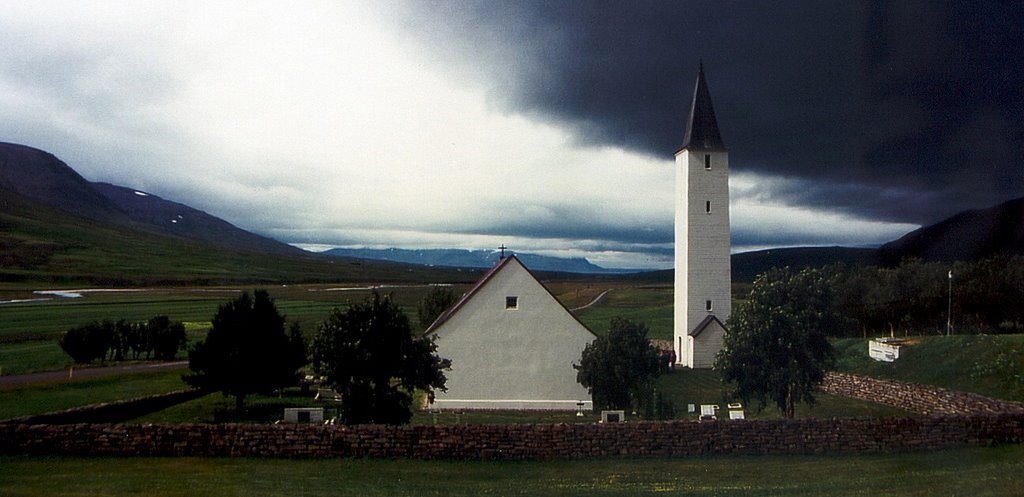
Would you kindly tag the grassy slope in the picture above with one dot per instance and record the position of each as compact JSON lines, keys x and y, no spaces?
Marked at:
{"x":978,"y":472}
{"x":991,"y":365}
{"x":43,"y":245}
{"x":35,"y":399}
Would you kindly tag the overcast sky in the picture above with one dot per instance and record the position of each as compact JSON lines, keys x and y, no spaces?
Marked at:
{"x":547,"y":126}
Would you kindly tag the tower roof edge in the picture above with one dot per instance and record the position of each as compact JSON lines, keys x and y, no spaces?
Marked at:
{"x":702,"y":130}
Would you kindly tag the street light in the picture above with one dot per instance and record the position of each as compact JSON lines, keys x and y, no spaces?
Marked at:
{"x":949,"y":306}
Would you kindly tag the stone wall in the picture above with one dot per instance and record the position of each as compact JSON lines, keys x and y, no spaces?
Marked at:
{"x":634,"y":439}
{"x":921,"y":399}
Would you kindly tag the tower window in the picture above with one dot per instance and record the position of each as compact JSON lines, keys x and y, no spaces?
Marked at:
{"x":707,"y":207}
{"x":707,"y":162}
{"x":512,"y":302}
{"x":707,"y":305}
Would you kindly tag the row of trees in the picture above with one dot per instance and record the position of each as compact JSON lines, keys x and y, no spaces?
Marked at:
{"x":159,"y":338}
{"x":367,"y":353}
{"x":777,"y":349}
{"x":919,"y":297}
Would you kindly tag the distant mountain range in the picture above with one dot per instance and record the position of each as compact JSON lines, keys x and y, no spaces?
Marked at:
{"x":472,"y":259}
{"x":32,"y":180}
{"x":40,"y":176}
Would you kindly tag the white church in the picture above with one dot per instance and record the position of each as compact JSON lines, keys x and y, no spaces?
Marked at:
{"x":512,"y":344}
{"x":703,"y":272}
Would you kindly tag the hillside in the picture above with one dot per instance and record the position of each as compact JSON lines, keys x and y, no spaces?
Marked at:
{"x":58,"y":228}
{"x":991,"y":365}
{"x":967,"y":236}
{"x":747,"y":265}
{"x":42,"y":245}
{"x":42,"y":177}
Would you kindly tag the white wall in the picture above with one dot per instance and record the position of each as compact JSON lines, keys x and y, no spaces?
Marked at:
{"x":512,"y":358}
{"x":702,"y":258}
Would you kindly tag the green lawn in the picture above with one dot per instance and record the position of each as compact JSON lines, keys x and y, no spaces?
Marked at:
{"x":651,"y":305}
{"x":702,"y":386}
{"x":36,"y":399}
{"x":991,"y":365}
{"x":682,"y":387}
{"x":36,"y":355}
{"x":29,"y":330}
{"x":978,"y":472}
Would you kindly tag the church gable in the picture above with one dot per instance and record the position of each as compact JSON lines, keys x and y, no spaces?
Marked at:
{"x":512,"y":346}
{"x":705,"y":341}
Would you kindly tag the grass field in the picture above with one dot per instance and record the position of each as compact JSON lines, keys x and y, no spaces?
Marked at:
{"x":29,"y":330}
{"x":36,"y":399}
{"x":681,"y":387}
{"x":991,"y":365}
{"x":977,"y":472}
{"x":651,"y":305}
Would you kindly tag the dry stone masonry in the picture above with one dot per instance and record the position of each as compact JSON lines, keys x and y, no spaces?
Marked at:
{"x":634,"y":439}
{"x":950,"y":419}
{"x":921,"y":399}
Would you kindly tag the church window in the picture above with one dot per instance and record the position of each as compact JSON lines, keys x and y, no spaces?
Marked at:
{"x":707,"y":162}
{"x":707,"y":305}
{"x":511,"y":302}
{"x":707,"y":207}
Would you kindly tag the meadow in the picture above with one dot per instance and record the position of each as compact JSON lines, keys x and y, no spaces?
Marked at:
{"x":28,"y":334}
{"x":978,"y":472}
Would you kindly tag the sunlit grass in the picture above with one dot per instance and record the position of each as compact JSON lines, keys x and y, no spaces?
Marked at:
{"x":978,"y":472}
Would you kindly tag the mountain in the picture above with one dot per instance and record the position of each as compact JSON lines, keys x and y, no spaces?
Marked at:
{"x":56,"y":228}
{"x":42,"y":245}
{"x":40,"y":176}
{"x":967,"y":236}
{"x":747,"y":265}
{"x":471,"y":259}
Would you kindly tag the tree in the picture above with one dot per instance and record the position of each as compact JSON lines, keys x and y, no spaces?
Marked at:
{"x":165,"y":337}
{"x":619,"y":369}
{"x":776,"y":348}
{"x":369,"y":355}
{"x":246,"y":350}
{"x":89,"y":342}
{"x":439,"y":299}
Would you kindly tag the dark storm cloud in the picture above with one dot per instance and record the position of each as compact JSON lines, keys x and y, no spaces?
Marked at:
{"x":900,"y":111}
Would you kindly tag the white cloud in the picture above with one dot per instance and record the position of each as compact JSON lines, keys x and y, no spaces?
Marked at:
{"x":319,"y":123}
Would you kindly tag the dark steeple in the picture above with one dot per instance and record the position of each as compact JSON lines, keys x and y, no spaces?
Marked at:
{"x":702,"y":130}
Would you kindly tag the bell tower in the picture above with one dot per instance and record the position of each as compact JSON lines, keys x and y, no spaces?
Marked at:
{"x":703,"y":275}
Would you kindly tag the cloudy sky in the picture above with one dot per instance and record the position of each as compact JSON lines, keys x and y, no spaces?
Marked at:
{"x":547,"y":126}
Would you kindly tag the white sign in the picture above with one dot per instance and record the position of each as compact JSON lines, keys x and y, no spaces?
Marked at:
{"x":881,"y":351}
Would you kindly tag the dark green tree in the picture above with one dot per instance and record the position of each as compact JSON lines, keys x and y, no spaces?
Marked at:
{"x":88,"y":342}
{"x":246,"y":350}
{"x":369,"y":355}
{"x":619,"y":368}
{"x":166,"y":337}
{"x":776,"y":348}
{"x":439,"y":299}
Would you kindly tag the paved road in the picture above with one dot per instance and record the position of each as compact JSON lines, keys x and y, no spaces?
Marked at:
{"x":592,"y":302}
{"x":85,"y":373}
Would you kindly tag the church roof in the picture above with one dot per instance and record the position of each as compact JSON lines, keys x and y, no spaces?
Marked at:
{"x":468,"y":295}
{"x":702,"y":130}
{"x":705,"y":324}
{"x":445,"y":316}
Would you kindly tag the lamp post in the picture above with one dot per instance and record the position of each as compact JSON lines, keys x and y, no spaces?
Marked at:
{"x":949,"y":306}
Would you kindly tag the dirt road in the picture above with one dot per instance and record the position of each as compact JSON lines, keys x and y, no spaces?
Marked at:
{"x":85,"y":373}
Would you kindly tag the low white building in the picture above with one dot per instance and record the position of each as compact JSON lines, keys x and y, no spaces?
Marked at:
{"x":702,"y":343}
{"x":512,"y":345}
